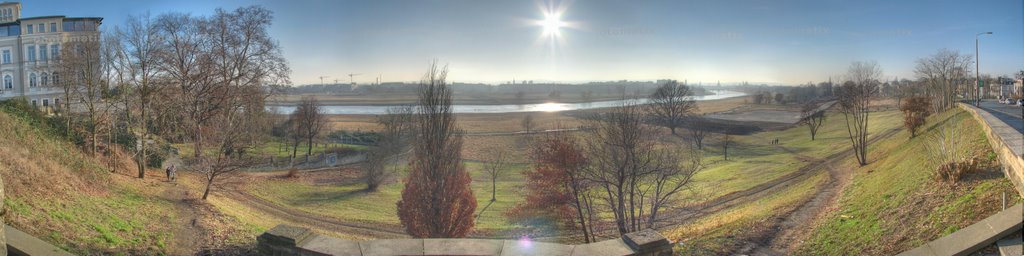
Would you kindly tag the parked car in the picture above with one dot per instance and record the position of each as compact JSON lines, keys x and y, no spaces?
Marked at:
{"x":1020,"y":102}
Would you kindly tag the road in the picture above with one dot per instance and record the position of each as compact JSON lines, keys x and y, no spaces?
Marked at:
{"x":1011,"y":115}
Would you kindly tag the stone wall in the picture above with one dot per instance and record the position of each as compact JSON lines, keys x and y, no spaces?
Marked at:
{"x":1006,"y":141}
{"x":291,"y":240}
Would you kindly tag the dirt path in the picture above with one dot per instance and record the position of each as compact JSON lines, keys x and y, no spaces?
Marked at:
{"x":237,"y":191}
{"x":188,"y":234}
{"x":795,"y":226}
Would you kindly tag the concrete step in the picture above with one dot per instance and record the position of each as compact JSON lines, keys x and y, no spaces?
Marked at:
{"x":1011,"y":245}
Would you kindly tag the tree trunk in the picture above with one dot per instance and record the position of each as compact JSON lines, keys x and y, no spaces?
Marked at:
{"x":209,"y":183}
{"x":142,"y":145}
{"x":309,"y":147}
{"x":197,"y":143}
{"x":494,"y":187}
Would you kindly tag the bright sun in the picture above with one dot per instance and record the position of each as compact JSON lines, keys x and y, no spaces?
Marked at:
{"x":551,"y":23}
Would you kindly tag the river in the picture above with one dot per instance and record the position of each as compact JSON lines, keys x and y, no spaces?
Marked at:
{"x":507,"y":108}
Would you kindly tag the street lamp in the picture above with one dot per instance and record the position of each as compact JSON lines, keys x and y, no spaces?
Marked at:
{"x":977,"y":70}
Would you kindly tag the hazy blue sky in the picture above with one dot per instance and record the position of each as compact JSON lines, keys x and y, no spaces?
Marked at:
{"x":496,"y":41}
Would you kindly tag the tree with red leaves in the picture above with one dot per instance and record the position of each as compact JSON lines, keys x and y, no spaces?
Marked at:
{"x":915,"y":111}
{"x":437,"y":201}
{"x":556,"y":187}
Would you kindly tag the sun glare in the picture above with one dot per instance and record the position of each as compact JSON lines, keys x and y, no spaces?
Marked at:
{"x":551,"y":107}
{"x":551,"y":24}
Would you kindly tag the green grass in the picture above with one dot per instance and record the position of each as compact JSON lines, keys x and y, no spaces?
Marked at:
{"x":751,"y":163}
{"x":725,"y":231}
{"x":753,"y":160}
{"x":55,"y":192}
{"x":895,"y":198}
{"x":352,"y":202}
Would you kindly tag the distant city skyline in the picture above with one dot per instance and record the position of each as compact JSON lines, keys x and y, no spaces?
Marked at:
{"x":777,"y":42}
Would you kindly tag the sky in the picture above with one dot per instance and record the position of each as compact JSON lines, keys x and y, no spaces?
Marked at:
{"x":759,"y":41}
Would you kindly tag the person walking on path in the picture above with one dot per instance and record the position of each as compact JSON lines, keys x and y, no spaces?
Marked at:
{"x":171,"y":173}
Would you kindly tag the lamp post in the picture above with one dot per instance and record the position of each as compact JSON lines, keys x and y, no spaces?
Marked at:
{"x":977,"y":70}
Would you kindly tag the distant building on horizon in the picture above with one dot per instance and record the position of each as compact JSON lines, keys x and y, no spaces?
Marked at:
{"x":30,"y":48}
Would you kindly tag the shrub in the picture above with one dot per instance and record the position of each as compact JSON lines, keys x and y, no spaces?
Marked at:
{"x":292,"y":173}
{"x":953,"y":172}
{"x":915,"y":111}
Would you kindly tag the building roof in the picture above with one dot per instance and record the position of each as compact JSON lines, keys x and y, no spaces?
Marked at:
{"x":42,"y":17}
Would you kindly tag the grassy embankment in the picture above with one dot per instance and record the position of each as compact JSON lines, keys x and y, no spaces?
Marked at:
{"x":894,"y":203}
{"x":57,"y":193}
{"x":754,"y":161}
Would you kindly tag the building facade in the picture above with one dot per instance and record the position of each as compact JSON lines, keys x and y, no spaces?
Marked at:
{"x":30,"y":49}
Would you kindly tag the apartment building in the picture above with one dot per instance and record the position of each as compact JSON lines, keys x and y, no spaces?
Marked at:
{"x":30,"y":48}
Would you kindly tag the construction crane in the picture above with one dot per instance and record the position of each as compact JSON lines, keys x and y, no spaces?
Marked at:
{"x":322,"y":79}
{"x":350,"y":80}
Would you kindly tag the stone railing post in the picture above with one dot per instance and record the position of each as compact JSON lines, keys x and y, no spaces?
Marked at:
{"x":282,"y":240}
{"x":648,"y":243}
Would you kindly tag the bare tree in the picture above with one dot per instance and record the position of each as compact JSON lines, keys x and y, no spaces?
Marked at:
{"x":528,"y":123}
{"x":141,"y":49}
{"x":727,"y":141}
{"x":942,"y":73}
{"x":310,"y":120}
{"x":671,"y":104}
{"x":812,"y":117}
{"x":855,"y":100}
{"x":493,"y":165}
{"x":699,"y":128}
{"x":213,"y":59}
{"x":396,"y":127}
{"x":626,"y":161}
{"x":225,"y":66}
{"x":81,"y":65}
{"x":246,"y":120}
{"x":436,"y":200}
{"x":295,"y":133}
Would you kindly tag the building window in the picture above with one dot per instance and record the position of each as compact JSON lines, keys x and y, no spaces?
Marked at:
{"x":32,"y":80}
{"x":42,"y":27}
{"x":56,"y":102}
{"x":28,"y":29}
{"x":54,"y":51}
{"x":31,"y":53}
{"x":7,"y":56}
{"x":53,"y":28}
{"x":42,"y":52}
{"x":8,"y":82}
{"x":46,"y":103}
{"x":45,"y":79}
{"x":34,"y":103}
{"x":56,"y":79}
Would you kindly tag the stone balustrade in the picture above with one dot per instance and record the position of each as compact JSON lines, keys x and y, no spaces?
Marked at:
{"x":291,"y":240}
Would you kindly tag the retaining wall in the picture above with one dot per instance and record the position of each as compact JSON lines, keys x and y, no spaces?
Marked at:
{"x":1006,"y":141}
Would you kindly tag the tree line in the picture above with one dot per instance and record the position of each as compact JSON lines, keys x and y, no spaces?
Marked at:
{"x":176,"y":77}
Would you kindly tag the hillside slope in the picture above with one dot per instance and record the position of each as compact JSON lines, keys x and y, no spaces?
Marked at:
{"x":74,"y":201}
{"x":894,"y":203}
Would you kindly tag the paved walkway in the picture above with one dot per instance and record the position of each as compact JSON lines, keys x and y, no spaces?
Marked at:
{"x":1009,"y":114}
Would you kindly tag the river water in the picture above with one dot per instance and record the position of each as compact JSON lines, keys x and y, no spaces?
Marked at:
{"x":507,"y":108}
